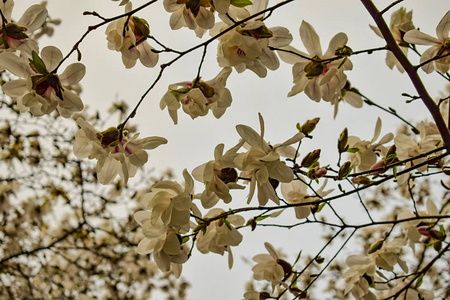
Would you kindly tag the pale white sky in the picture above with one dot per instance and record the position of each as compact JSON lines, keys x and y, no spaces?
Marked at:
{"x":192,"y":142}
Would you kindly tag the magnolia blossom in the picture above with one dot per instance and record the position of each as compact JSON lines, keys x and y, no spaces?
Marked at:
{"x":219,"y":176}
{"x":389,"y":255}
{"x":198,"y":97}
{"x":261,"y":163}
{"x":268,"y":266}
{"x":16,"y":36}
{"x":133,"y":44}
{"x":247,"y":47}
{"x":161,"y":240}
{"x":360,"y":276}
{"x":196,"y":15}
{"x":322,"y":75}
{"x":401,"y":22}
{"x":440,"y":46}
{"x":407,"y":147}
{"x":39,"y":89}
{"x":116,"y":154}
{"x":296,"y":192}
{"x":218,"y":236}
{"x":170,"y":203}
{"x":366,"y":156}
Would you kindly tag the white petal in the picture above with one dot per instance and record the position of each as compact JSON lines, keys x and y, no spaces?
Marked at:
{"x":73,"y":74}
{"x":310,"y":39}
{"x":51,"y":56}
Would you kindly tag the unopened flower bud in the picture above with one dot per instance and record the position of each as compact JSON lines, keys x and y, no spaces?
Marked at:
{"x":364,"y":180}
{"x":309,"y":126}
{"x":342,"y":142}
{"x":345,"y":170}
{"x":311,"y":158}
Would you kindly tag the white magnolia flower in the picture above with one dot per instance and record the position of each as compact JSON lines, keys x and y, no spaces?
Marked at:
{"x":360,"y":276}
{"x":407,"y":147}
{"x":401,"y":22}
{"x":247,"y":46}
{"x":219,"y":176}
{"x":16,"y":36}
{"x":218,"y":236}
{"x":319,"y":77}
{"x":39,"y":89}
{"x":133,"y":44}
{"x":161,"y":240}
{"x":261,"y":164}
{"x":439,"y":46}
{"x":198,"y":97}
{"x":366,"y":156}
{"x":196,"y":15}
{"x":115,"y":154}
{"x":170,"y":203}
{"x":296,"y":192}
{"x":268,"y":266}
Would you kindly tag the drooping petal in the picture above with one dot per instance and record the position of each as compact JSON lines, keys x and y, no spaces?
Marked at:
{"x":73,"y":74}
{"x":146,"y":56}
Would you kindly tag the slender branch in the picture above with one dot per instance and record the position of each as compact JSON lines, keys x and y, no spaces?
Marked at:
{"x":410,"y":70}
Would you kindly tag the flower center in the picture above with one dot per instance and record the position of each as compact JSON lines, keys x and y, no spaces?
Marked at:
{"x":314,"y":68}
{"x":194,"y":5}
{"x":12,"y":31}
{"x":227,"y":175}
{"x":42,"y":83}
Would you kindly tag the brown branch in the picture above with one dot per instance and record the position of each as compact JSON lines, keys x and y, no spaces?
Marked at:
{"x":410,"y":70}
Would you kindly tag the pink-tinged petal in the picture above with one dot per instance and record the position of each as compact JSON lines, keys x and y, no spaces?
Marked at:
{"x":337,"y":41}
{"x":33,"y":17}
{"x":443,"y":27}
{"x":414,"y":36}
{"x":205,"y":18}
{"x":176,"y":19}
{"x":51,"y":56}
{"x":328,"y":76}
{"x":189,"y":18}
{"x":73,"y":74}
{"x":14,"y":64}
{"x":15,"y":88}
{"x":147,"y":57}
{"x":310,"y":39}
{"x":313,"y":90}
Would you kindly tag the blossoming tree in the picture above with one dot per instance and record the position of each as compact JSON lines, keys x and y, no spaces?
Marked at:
{"x":397,"y":248}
